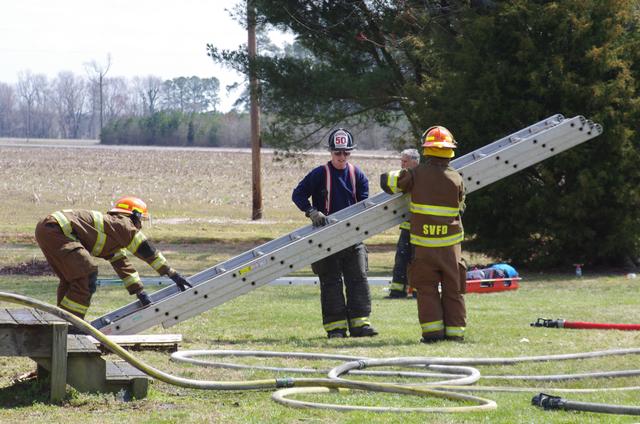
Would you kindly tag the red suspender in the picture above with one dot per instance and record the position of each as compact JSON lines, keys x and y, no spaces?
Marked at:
{"x":327,"y":200}
{"x":327,"y":173}
{"x":352,"y":174}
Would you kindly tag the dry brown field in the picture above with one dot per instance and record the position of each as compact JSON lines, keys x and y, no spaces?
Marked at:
{"x":200,"y":184}
{"x":197,"y":197}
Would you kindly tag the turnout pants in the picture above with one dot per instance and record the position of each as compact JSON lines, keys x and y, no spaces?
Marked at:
{"x":349,"y":268}
{"x":441,"y":314}
{"x":398,"y":286}
{"x":72,"y":264}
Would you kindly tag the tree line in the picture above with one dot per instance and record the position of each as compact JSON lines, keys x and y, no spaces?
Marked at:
{"x":70,"y":105}
{"x":182,"y":111}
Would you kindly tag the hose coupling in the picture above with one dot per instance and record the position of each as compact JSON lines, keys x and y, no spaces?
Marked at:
{"x":549,"y":323}
{"x":284,"y":382}
{"x":547,"y":402}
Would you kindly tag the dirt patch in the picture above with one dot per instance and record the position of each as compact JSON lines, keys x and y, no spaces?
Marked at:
{"x":27,"y":268}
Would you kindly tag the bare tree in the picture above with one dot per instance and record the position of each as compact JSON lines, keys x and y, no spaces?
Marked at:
{"x":97,"y":73}
{"x":69,"y":96}
{"x":116,"y":99}
{"x":148,"y":90}
{"x":7,"y":109}
{"x":26,"y":91}
{"x":43,"y":122}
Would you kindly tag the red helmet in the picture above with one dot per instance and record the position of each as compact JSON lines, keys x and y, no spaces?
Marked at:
{"x":438,"y":137}
{"x":129,"y":205}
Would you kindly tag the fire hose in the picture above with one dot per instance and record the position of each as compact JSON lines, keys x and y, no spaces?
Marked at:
{"x":458,"y":371}
{"x":561,"y":323}
{"x":317,"y":384}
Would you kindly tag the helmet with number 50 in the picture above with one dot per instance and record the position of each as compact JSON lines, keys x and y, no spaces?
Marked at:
{"x":341,"y":139}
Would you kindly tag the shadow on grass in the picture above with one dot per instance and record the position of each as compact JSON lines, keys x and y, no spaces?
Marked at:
{"x":25,"y":393}
{"x":314,"y":342}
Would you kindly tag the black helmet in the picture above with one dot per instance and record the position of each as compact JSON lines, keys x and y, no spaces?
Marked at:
{"x":341,"y":139}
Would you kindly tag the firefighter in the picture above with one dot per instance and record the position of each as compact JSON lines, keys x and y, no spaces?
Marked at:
{"x":333,"y":187}
{"x":437,"y":202}
{"x":409,"y":158}
{"x":69,"y":239}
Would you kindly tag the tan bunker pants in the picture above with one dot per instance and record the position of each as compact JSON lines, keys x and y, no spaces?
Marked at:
{"x":440,"y":313}
{"x":73,"y":265}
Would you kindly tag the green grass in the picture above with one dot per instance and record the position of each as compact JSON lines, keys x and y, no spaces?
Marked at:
{"x":288,"y":319}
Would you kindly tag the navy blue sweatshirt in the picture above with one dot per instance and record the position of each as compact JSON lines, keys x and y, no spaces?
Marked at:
{"x":314,"y":185}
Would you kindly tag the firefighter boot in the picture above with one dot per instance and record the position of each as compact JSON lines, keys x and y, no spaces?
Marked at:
{"x":429,"y":340}
{"x":396,"y":294}
{"x":338,"y":333}
{"x":364,"y":331}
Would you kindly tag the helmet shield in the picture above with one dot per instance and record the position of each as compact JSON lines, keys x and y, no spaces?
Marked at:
{"x":341,"y":139}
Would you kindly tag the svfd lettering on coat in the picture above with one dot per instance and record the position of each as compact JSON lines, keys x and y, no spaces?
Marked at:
{"x":434,"y":230}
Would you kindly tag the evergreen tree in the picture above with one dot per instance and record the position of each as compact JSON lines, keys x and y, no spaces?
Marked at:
{"x":355,"y":61}
{"x":526,"y":60}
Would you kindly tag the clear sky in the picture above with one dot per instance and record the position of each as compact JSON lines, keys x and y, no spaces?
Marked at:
{"x":165,"y":38}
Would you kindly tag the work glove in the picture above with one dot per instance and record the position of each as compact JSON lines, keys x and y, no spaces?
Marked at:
{"x":317,"y":218}
{"x":180,"y":281}
{"x":143,"y":298}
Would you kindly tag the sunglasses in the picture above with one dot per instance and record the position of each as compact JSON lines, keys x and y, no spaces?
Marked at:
{"x":341,"y":153}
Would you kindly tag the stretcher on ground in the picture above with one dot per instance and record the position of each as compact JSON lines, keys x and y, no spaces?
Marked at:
{"x":490,"y":285}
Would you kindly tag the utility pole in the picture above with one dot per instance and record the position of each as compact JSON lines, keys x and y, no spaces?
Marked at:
{"x":255,"y":114}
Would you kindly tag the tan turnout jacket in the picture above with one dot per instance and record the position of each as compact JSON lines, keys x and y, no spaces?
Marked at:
{"x":110,"y":237}
{"x":437,"y":199}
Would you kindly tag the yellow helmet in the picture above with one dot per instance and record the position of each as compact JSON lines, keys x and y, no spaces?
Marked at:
{"x":439,"y":138}
{"x":128,"y":205}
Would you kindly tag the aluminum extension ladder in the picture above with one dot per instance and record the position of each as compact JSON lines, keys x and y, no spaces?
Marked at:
{"x":277,"y":258}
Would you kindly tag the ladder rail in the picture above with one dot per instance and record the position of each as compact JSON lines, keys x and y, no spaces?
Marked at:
{"x":224,"y":296}
{"x":310,"y":249}
{"x":218,"y":269}
{"x":291,"y":257}
{"x":506,"y":141}
{"x":274,"y":244}
{"x":537,"y":148}
{"x":276,"y":258}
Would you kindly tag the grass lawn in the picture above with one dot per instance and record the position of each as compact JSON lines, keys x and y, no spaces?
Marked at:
{"x":279,"y":318}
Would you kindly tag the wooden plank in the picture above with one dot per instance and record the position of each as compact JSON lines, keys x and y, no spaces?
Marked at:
{"x":49,"y":318}
{"x":145,"y":341}
{"x":79,"y":344}
{"x":26,"y":340}
{"x":142,"y":338}
{"x":58,"y":362}
{"x":122,"y":370}
{"x":25,"y":317}
{"x":6,"y":318}
{"x":121,"y":374}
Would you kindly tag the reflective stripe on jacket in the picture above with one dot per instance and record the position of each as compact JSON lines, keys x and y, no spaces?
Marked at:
{"x":437,"y":199}
{"x":109,"y":237}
